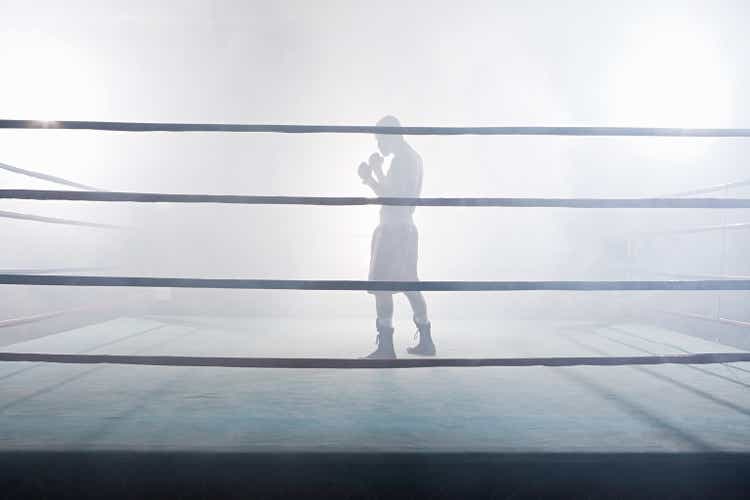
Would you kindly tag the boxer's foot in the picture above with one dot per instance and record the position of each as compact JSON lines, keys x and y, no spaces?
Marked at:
{"x":384,"y":340}
{"x":425,"y":347}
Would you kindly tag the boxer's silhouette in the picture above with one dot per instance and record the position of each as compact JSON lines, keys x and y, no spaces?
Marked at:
{"x":394,"y":245}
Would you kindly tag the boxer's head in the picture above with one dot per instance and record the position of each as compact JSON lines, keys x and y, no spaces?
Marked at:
{"x":388,"y":143}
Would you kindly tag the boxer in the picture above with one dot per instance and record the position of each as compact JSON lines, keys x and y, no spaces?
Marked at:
{"x":393,"y":250}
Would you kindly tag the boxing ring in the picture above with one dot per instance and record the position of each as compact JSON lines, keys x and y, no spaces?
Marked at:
{"x":159,"y":382}
{"x":723,"y":230}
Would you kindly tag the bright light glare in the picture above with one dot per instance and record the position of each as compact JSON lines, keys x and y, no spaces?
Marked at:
{"x":47,"y":78}
{"x":47,"y":123}
{"x":671,"y":75}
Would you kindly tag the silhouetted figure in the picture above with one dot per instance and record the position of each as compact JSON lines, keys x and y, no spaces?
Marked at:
{"x":395,"y":241}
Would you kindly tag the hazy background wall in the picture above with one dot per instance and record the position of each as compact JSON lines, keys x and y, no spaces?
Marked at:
{"x":573,"y":63}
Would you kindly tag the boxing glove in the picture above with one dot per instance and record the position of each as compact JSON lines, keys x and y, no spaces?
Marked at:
{"x":365,"y":171}
{"x":376,"y":161}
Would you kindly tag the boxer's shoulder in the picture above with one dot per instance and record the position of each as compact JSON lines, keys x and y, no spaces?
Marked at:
{"x":407,"y":159}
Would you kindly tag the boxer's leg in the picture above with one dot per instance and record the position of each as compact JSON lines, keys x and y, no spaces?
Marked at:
{"x":425,"y":347}
{"x":418,"y":307}
{"x":384,"y":308}
{"x":384,"y":325}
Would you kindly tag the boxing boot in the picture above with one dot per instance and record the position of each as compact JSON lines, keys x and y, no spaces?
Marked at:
{"x":384,"y":340}
{"x":425,"y":347}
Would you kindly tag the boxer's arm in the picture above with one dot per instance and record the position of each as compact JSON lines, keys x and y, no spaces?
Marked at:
{"x":365,"y":173}
{"x":376,"y":164}
{"x":377,"y":187}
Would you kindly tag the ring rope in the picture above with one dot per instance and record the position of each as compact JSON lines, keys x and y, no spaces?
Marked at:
{"x":35,"y":318}
{"x":45,"y":177}
{"x":354,"y":285}
{"x":702,"y":317}
{"x":643,"y":270}
{"x":55,"y":220}
{"x":367,"y":129}
{"x":344,"y":363}
{"x":52,"y":270}
{"x":121,"y":196}
{"x":711,"y":189}
{"x":698,"y":229}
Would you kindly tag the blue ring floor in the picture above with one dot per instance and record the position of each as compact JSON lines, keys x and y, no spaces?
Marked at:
{"x":648,"y":409}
